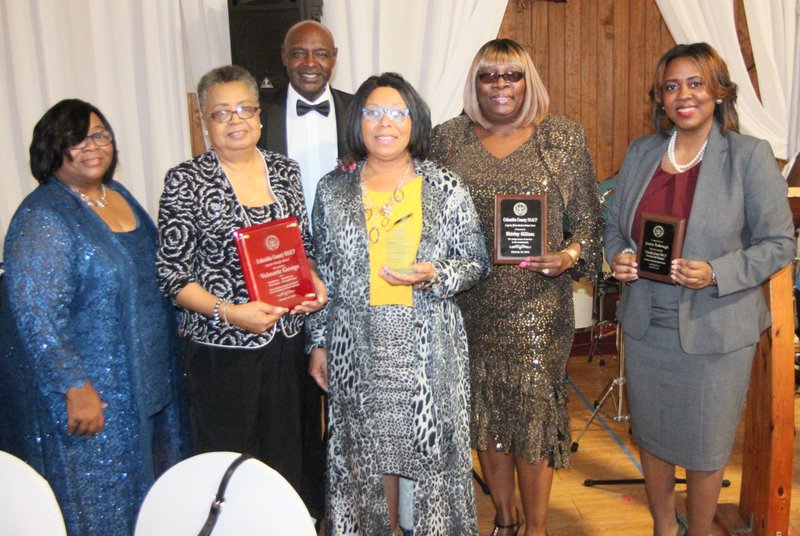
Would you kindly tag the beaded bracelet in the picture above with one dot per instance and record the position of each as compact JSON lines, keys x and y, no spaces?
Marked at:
{"x":225,"y":313}
{"x":215,"y":316}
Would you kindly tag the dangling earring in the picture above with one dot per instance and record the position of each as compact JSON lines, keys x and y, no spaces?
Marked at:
{"x":718,"y":101}
{"x":205,"y":133}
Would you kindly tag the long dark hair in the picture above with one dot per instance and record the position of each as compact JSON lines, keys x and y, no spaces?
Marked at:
{"x":64,"y":125}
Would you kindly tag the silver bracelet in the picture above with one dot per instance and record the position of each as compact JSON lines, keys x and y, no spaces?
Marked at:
{"x":628,"y":250}
{"x":225,"y":313}
{"x":425,"y":285}
{"x":713,"y":272}
{"x":215,"y":316}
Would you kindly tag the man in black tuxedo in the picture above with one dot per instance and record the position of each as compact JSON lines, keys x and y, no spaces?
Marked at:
{"x":305,"y":120}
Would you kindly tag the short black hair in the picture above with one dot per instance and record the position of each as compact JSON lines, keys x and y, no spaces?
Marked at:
{"x":420,"y":143}
{"x":64,"y":125}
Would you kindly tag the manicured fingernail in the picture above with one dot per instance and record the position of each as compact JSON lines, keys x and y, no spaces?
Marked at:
{"x":523,"y":264}
{"x":527,"y":259}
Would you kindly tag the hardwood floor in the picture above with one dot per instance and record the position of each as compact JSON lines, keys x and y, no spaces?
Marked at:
{"x":607,"y":451}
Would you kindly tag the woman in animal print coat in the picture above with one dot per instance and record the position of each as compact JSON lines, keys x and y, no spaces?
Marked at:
{"x":390,"y":348}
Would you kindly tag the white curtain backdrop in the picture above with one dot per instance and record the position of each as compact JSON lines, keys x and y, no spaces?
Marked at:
{"x":772,"y":27}
{"x":773,"y":33}
{"x":794,"y":108}
{"x":430,"y":43}
{"x":133,"y":59}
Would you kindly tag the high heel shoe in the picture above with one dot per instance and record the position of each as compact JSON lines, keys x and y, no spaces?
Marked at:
{"x":498,"y":527}
{"x":683,"y":529}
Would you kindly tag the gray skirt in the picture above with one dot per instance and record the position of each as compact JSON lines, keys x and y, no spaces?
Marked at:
{"x":684,"y":407}
{"x":391,"y":375}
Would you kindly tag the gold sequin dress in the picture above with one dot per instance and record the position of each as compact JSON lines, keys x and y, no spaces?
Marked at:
{"x":520,"y":324}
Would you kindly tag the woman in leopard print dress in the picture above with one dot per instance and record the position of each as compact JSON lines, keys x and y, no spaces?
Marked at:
{"x":390,"y":348}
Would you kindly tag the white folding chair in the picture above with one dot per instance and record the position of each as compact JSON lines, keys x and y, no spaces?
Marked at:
{"x":258,"y":500}
{"x":27,"y":503}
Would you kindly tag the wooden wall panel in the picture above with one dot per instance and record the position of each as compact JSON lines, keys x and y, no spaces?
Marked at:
{"x":556,"y":72}
{"x":637,"y":70}
{"x":596,"y":59}
{"x":588,"y":54}
{"x":605,"y":87}
{"x":572,"y":59}
{"x":623,"y":50}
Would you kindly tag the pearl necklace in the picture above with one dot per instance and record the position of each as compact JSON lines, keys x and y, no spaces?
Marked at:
{"x":680,"y":168}
{"x":99,"y":203}
{"x":385,"y":210}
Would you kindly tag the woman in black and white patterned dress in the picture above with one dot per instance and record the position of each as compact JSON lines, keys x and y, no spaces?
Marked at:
{"x":245,"y":360}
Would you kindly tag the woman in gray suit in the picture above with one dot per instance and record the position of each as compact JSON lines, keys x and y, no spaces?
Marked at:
{"x":690,"y":343}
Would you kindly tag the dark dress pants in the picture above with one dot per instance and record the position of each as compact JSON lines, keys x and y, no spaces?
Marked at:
{"x":258,"y":401}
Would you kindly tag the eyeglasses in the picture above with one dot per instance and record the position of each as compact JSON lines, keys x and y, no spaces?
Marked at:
{"x":508,"y":76}
{"x":374,"y":113}
{"x":100,"y":139}
{"x":225,"y":116}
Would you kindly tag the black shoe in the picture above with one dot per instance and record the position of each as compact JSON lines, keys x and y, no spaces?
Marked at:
{"x":498,"y":527}
{"x":683,"y":529}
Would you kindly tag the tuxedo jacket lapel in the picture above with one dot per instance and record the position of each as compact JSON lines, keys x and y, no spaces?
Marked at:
{"x":273,"y":117}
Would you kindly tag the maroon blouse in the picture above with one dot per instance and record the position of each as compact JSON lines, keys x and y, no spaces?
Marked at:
{"x":667,"y":194}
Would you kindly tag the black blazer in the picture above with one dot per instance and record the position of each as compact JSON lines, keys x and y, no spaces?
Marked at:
{"x":273,"y":117}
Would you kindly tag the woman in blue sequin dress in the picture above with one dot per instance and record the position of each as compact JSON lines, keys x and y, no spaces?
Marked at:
{"x":86,"y":338}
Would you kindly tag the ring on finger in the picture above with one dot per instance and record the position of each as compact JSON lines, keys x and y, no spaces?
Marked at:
{"x":546,"y":271}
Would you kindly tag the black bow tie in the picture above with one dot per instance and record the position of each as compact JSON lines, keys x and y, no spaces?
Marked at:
{"x":323,"y":108}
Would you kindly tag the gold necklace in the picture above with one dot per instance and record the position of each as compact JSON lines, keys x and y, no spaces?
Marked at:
{"x":381,"y":215}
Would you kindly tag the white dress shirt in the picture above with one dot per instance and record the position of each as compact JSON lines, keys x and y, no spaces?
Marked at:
{"x":311,"y":141}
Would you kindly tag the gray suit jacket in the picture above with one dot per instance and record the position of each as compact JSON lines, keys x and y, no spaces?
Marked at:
{"x":740,"y":223}
{"x":273,"y":117}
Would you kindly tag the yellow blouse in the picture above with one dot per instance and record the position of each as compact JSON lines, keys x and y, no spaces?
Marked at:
{"x":393,"y":243}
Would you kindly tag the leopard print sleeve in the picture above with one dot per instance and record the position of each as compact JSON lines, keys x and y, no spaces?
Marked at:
{"x":455,"y":244}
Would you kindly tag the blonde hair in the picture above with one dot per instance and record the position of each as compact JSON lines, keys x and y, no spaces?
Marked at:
{"x":506,"y":51}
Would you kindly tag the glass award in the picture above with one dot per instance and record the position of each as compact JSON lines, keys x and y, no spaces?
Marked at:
{"x":401,"y":250}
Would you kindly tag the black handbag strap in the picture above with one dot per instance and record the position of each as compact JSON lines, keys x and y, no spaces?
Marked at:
{"x":219,"y":498}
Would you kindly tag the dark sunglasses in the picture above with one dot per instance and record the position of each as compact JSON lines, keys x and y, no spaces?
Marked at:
{"x":508,"y":76}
